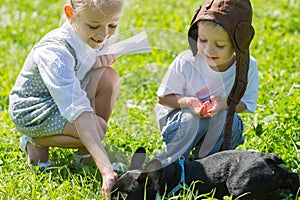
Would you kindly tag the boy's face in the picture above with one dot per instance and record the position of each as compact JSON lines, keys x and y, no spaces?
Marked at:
{"x":94,"y":26}
{"x":214,"y":45}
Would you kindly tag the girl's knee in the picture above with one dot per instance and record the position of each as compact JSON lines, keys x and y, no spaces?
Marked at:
{"x":111,"y":76}
{"x":71,"y":130}
{"x":105,"y":82}
{"x":109,"y":81}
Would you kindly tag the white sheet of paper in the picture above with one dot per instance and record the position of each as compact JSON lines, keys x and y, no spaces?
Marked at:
{"x":133,"y":45}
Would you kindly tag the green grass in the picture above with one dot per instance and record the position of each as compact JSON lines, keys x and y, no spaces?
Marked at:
{"x":275,"y":127}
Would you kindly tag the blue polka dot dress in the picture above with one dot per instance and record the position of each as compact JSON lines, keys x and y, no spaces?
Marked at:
{"x":49,"y":91}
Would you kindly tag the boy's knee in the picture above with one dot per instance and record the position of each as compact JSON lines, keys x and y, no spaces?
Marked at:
{"x":188,"y":116}
{"x":189,"y":121}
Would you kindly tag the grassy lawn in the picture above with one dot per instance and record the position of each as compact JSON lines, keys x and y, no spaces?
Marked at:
{"x":275,"y":127}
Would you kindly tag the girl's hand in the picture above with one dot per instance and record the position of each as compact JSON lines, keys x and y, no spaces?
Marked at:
{"x":105,"y":60}
{"x":219,"y":103}
{"x":109,"y":180}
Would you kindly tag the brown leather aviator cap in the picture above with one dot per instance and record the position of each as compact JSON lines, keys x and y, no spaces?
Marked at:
{"x":235,"y":16}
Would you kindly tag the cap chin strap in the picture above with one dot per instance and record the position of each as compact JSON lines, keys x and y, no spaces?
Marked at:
{"x":233,"y":100}
{"x":242,"y":37}
{"x":235,"y":95}
{"x":228,"y":126}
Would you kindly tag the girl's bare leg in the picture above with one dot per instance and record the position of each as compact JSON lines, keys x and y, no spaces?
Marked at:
{"x":102,"y":91}
{"x":36,"y":155}
{"x":104,"y":95}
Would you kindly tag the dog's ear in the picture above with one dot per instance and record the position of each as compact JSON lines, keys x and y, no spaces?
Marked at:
{"x":272,"y":158}
{"x":154,"y":171}
{"x":138,"y":159}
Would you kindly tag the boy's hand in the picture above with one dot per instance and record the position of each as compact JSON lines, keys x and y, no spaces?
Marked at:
{"x":199,"y":108}
{"x":204,"y":110}
{"x":105,"y":60}
{"x":219,"y":103}
{"x":194,"y":104}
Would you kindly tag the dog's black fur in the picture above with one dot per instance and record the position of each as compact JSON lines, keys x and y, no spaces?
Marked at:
{"x":231,"y":172}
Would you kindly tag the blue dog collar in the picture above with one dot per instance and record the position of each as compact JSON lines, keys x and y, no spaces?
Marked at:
{"x":182,"y":184}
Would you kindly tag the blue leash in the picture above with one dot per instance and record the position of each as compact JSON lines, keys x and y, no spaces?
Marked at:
{"x":182,"y":184}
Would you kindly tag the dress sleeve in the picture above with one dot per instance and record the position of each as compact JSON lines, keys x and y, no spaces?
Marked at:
{"x":251,"y":93}
{"x":56,"y":65}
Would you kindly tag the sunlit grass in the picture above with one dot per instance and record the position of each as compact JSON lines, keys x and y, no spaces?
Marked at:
{"x":275,"y":127}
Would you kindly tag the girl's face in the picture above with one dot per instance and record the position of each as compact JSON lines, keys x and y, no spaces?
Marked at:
{"x":215,"y":45}
{"x":94,"y":26}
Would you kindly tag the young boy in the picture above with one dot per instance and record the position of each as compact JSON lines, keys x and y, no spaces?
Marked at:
{"x":194,"y":94}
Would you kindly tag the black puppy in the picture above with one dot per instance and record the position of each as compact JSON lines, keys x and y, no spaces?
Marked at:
{"x":248,"y":173}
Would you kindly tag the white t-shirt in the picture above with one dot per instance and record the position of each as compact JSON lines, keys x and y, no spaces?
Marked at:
{"x":191,"y":76}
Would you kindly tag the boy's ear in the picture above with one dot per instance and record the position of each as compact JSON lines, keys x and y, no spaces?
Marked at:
{"x":68,"y":11}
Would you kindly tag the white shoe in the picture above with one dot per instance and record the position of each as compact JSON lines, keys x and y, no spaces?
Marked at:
{"x":79,"y":159}
{"x":23,"y":143}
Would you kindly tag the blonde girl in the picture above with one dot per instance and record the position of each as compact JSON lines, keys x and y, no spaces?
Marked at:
{"x":65,"y":94}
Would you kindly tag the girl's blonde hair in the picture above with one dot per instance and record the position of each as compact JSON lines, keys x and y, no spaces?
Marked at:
{"x":81,"y":6}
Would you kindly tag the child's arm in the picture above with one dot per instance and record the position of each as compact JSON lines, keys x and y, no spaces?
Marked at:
{"x":179,"y":101}
{"x":241,"y":107}
{"x":88,"y":130}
